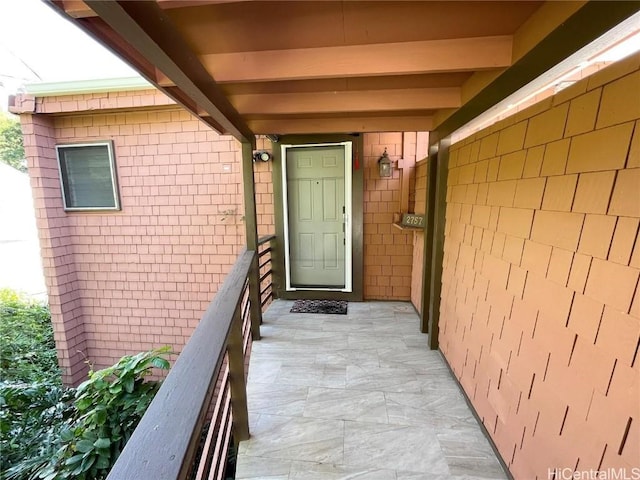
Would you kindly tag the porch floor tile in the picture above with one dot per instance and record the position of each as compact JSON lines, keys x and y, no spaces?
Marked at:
{"x":356,"y":396}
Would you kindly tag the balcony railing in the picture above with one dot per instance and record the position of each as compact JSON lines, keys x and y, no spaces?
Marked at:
{"x":187,"y":430}
{"x":265,"y":267}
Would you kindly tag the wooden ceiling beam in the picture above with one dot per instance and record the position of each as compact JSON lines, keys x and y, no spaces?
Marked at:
{"x":431,"y":56}
{"x":341,"y":125}
{"x":169,"y":4}
{"x":146,"y":28}
{"x":80,"y":9}
{"x":76,"y":8}
{"x":569,"y":35}
{"x":347,"y":101}
{"x":162,"y":80}
{"x":433,"y":80}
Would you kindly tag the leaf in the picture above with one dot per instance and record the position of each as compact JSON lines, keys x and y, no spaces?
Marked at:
{"x":103,"y":462}
{"x":84,"y":446}
{"x":104,"y":452}
{"x":75,"y":459}
{"x":83,"y":386}
{"x":100,"y":417}
{"x":87,"y":463}
{"x":129,"y":383}
{"x":66,"y":435}
{"x":115,"y":388}
{"x":102,"y":443}
{"x":160,"y":363}
{"x":83,"y":403}
{"x":100,"y":384}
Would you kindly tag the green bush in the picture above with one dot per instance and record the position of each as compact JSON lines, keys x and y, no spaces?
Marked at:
{"x":51,"y":432}
{"x":82,"y":431}
{"x":27,"y":348}
{"x":109,"y":406}
{"x":32,"y":417}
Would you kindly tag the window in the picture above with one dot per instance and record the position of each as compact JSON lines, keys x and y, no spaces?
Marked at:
{"x":88,"y":176}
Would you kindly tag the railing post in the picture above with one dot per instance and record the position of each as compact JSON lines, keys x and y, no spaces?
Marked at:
{"x":237,"y":382}
{"x":274,"y":269}
{"x":251,"y":223}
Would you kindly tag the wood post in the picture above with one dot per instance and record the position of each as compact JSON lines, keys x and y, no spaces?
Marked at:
{"x":237,"y":383}
{"x":428,"y":239}
{"x":440,"y":205}
{"x":251,"y":223}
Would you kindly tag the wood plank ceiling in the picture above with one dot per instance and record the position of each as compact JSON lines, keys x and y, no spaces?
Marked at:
{"x":254,"y":67}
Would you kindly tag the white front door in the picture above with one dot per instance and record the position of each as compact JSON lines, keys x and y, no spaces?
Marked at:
{"x":317,"y":211}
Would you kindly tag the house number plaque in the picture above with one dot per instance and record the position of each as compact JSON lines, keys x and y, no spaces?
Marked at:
{"x":412,"y":220}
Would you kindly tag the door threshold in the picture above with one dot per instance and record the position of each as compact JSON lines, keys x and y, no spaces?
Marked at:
{"x":317,"y":289}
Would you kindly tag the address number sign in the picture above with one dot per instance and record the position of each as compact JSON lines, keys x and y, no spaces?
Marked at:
{"x":412,"y":220}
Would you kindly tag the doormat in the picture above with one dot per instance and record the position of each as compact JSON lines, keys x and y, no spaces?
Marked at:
{"x":335,"y":307}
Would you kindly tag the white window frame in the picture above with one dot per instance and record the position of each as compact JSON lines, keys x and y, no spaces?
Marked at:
{"x":112,"y":167}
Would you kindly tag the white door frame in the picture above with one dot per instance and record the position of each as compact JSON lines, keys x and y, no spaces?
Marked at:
{"x":348,"y":200}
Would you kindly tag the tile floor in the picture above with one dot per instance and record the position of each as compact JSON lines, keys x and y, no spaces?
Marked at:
{"x":356,"y":396}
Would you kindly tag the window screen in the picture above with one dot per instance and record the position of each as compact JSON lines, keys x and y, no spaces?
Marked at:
{"x":87,"y":174}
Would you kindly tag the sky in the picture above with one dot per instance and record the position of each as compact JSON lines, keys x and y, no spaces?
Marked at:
{"x":37,"y":44}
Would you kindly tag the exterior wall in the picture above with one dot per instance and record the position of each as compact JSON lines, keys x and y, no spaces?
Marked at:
{"x":147,"y":273}
{"x":263,"y":177}
{"x":56,"y":247}
{"x":99,"y":101}
{"x":141,"y":277}
{"x":387,"y":250}
{"x":121,"y":282}
{"x":540,"y":315}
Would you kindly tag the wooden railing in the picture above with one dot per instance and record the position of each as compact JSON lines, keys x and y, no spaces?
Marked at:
{"x":186,"y":432}
{"x":265,"y":268}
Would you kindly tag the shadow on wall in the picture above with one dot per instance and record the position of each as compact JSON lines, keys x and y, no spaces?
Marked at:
{"x":20,"y":263}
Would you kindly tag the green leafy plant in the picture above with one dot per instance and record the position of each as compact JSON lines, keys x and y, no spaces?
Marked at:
{"x":33,"y":404}
{"x":51,"y":432}
{"x":108,"y":408}
{"x":27,"y":347}
{"x":32,"y":417}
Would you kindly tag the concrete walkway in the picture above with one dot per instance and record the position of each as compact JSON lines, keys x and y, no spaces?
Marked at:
{"x":356,"y":397}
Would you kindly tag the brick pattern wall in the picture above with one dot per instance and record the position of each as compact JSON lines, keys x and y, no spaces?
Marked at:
{"x":147,"y":273}
{"x":143,"y":276}
{"x":101,"y":101}
{"x":540,"y":312}
{"x":263,"y":177}
{"x":56,"y":247}
{"x":120,"y":282}
{"x":387,"y":250}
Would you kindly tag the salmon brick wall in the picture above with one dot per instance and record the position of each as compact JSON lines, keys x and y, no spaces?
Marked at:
{"x":56,"y":247}
{"x":387,"y":250}
{"x":121,"y":282}
{"x":540,"y":317}
{"x":147,"y":273}
{"x":263,"y":177}
{"x":130,"y":280}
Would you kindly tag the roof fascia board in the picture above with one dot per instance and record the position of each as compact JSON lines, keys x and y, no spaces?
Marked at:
{"x":144,"y":26}
{"x":78,"y":87}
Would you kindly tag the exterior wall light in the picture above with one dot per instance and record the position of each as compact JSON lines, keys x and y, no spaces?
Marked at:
{"x":261,"y":156}
{"x":384,"y":165}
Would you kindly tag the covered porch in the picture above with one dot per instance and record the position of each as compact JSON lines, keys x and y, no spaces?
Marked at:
{"x":356,"y":396}
{"x":377,"y":400}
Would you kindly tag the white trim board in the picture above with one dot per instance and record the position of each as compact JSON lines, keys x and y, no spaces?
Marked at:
{"x":348,"y":195}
